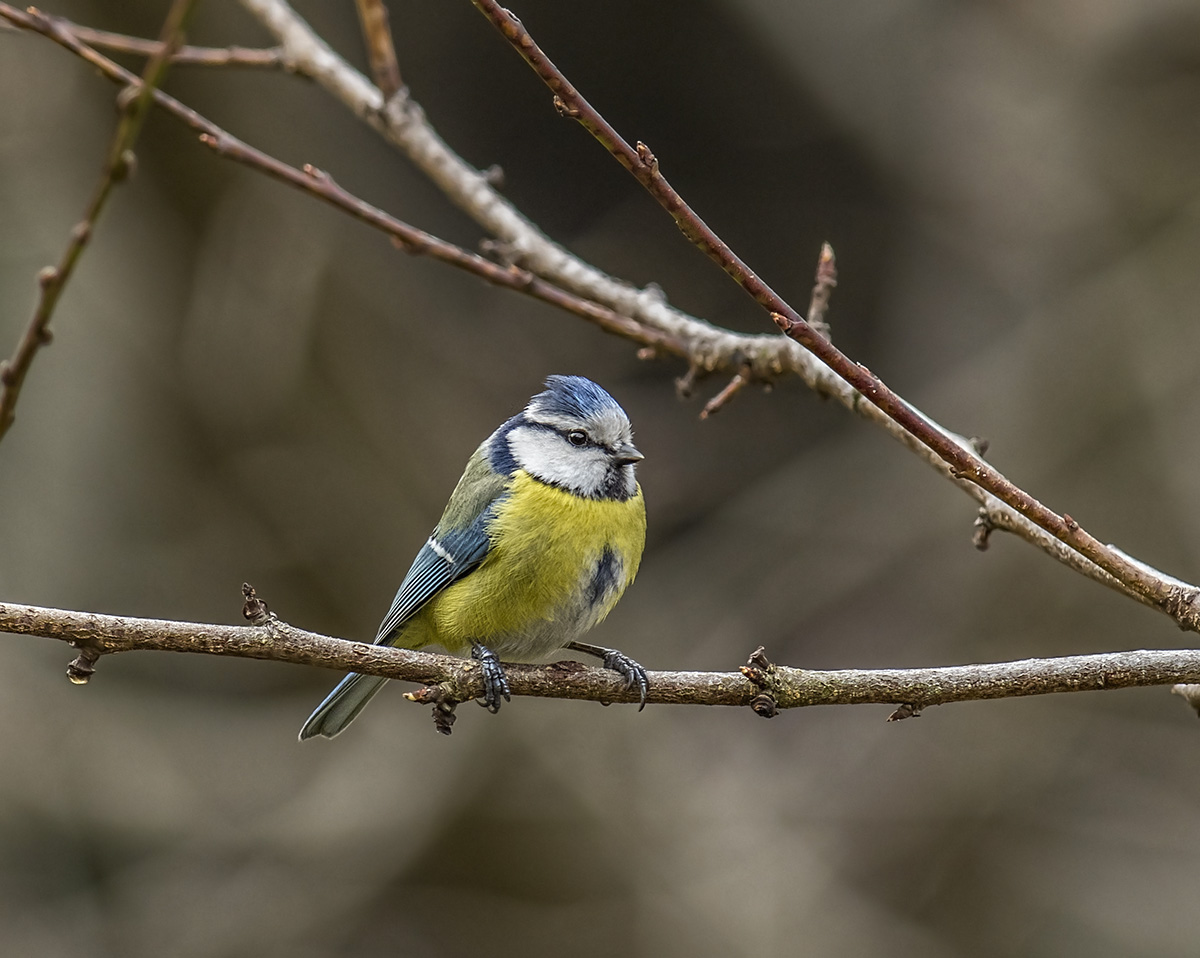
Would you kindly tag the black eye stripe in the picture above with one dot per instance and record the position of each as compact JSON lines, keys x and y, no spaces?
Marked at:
{"x":587,"y":439}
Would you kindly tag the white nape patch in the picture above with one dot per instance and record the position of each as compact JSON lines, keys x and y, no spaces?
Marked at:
{"x":548,"y":456}
{"x":440,"y":550}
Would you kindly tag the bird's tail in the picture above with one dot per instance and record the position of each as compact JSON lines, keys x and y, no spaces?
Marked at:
{"x":342,"y":705}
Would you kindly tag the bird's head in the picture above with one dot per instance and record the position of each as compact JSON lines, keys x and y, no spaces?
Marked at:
{"x":574,"y":435}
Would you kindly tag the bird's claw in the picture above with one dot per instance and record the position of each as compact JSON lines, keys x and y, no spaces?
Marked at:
{"x":631,"y":671}
{"x":495,"y":682}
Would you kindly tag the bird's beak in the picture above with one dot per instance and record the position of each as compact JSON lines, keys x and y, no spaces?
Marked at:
{"x":627,"y":454}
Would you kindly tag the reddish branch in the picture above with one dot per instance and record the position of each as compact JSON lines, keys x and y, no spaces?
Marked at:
{"x":403,"y":123}
{"x":417,"y":242}
{"x":964,"y":464}
{"x":817,"y":307}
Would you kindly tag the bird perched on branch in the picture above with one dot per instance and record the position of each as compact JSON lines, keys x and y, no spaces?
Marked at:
{"x":540,"y":538}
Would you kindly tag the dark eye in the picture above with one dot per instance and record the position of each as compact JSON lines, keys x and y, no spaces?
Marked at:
{"x":577,"y":437}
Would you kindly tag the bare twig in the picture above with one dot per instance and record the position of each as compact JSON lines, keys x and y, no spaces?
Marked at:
{"x":826,"y":280}
{"x":233,"y":56}
{"x":417,"y":242}
{"x":381,"y":51}
{"x":732,"y":388}
{"x":817,"y":307}
{"x":117,"y":167}
{"x":963,"y":463}
{"x":98,"y":635}
{"x":711,"y":349}
{"x":408,"y":238}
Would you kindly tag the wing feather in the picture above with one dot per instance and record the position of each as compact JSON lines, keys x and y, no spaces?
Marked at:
{"x":443,"y":560}
{"x":458,"y":544}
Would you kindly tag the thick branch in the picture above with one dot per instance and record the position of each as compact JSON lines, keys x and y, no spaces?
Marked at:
{"x":786,"y":687}
{"x":962,"y":461}
{"x":404,"y":125}
{"x":117,"y":167}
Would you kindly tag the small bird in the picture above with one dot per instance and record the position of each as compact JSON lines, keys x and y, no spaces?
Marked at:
{"x":540,"y":538}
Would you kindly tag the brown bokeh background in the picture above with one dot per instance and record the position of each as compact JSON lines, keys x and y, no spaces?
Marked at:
{"x":245,"y":385}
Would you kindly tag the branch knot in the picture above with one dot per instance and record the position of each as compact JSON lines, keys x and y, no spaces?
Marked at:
{"x":649,"y":160}
{"x":759,"y":670}
{"x":564,"y":108}
{"x":83,"y":666}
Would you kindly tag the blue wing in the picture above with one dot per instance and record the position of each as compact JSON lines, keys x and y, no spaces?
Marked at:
{"x":445,"y":558}
{"x":458,"y":544}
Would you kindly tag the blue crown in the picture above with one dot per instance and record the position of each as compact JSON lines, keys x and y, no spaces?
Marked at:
{"x":572,"y":397}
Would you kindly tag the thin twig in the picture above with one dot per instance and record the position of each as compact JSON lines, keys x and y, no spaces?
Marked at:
{"x":826,"y":280}
{"x":117,"y":167}
{"x":408,"y":238}
{"x":962,"y":462}
{"x":97,"y":635}
{"x":417,"y":242}
{"x":732,"y":388}
{"x":381,"y":51}
{"x":233,"y":56}
{"x":818,"y":305}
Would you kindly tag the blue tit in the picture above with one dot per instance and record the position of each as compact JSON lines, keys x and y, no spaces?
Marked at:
{"x":540,"y":538}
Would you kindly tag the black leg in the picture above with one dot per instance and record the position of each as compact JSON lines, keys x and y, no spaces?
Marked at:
{"x":620,"y":663}
{"x":495,"y":683}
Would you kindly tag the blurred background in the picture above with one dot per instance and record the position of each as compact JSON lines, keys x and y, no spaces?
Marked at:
{"x":245,"y":385}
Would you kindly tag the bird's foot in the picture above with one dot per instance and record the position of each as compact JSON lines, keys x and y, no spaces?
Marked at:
{"x":495,"y":682}
{"x":632,"y":672}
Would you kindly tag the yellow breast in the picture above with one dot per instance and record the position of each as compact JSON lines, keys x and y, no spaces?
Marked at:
{"x":556,"y":566}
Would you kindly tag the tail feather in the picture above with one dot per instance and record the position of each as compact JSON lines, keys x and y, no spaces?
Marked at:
{"x":342,"y":705}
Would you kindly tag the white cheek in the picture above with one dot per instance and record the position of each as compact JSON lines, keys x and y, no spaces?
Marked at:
{"x":548,"y":457}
